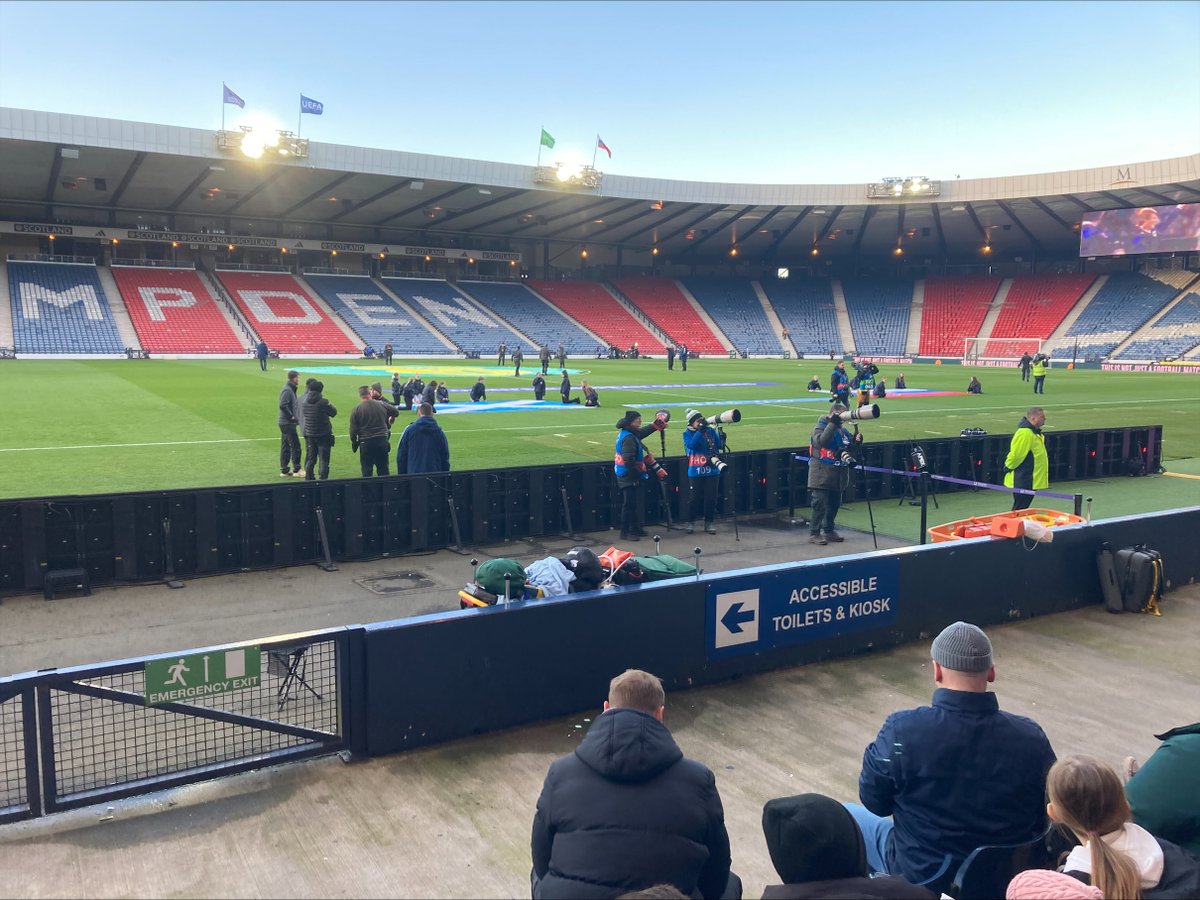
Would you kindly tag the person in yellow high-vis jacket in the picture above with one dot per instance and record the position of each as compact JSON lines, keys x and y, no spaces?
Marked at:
{"x":1027,"y":465}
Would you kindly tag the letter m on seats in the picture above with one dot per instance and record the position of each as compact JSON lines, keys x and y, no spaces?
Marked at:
{"x":34,"y":294}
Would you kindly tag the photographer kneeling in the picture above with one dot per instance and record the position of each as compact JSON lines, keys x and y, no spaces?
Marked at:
{"x":702,"y":444}
{"x":830,"y":449}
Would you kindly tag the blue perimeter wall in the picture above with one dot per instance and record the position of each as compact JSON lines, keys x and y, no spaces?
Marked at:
{"x":445,"y":676}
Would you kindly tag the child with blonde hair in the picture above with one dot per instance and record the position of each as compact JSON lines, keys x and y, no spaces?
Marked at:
{"x":1120,"y":858}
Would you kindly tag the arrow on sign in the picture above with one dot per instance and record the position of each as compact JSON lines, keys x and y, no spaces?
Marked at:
{"x":734,"y":618}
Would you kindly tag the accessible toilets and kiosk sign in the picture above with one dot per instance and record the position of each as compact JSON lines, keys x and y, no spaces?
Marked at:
{"x":771,"y":609}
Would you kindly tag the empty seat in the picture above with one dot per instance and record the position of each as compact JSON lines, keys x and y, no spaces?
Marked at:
{"x":60,"y":308}
{"x":954,"y":310}
{"x":734,"y":306}
{"x":278,"y":308}
{"x":460,"y":320}
{"x":173,"y":311}
{"x":600,"y":311}
{"x":374,"y":316}
{"x":806,"y":309}
{"x":531,"y":315}
{"x":1034,"y":306}
{"x":664,"y":304}
{"x":879,"y":309}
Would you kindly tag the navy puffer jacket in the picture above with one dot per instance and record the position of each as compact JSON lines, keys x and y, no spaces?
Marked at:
{"x":627,"y":811}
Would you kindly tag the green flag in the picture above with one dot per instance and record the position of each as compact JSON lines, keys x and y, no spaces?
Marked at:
{"x":547,"y":141}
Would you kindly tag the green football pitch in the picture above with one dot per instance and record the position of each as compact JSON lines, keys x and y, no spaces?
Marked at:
{"x":84,"y":427}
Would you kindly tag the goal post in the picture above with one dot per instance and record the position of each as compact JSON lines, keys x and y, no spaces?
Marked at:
{"x":977,"y":348}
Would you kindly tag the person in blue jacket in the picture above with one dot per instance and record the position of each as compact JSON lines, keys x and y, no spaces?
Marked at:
{"x":423,"y":446}
{"x":702,"y":445}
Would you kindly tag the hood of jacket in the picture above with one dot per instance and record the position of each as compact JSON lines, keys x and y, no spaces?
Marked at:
{"x":628,"y":746}
{"x":425,"y":423}
{"x":312,"y":398}
{"x":1130,"y":840}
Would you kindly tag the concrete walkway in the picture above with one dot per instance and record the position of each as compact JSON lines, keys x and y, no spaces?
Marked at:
{"x":453,"y":821}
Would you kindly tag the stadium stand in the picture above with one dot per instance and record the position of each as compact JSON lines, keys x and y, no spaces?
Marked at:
{"x":1177,"y":332}
{"x":955,"y":308}
{"x":878,"y":310}
{"x":60,"y":308}
{"x":600,"y":312}
{"x":174,"y":312}
{"x":285,"y":317}
{"x":664,"y":305}
{"x":374,"y":316}
{"x":464,"y":323}
{"x":806,"y":309}
{"x":531,"y":315}
{"x":1125,"y":303}
{"x":1034,"y":307}
{"x":734,"y":306}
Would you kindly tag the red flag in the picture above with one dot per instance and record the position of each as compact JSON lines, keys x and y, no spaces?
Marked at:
{"x":600,"y":145}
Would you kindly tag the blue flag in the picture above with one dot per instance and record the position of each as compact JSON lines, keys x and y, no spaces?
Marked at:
{"x":313,"y":107}
{"x":230,"y":97}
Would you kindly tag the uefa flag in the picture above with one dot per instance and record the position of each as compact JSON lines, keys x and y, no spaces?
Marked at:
{"x":230,"y":97}
{"x":310,"y":106}
{"x":600,"y":145}
{"x":547,"y":141}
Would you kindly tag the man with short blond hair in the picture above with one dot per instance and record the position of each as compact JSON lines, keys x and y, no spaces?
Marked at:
{"x":635,"y":689}
{"x":627,"y":811}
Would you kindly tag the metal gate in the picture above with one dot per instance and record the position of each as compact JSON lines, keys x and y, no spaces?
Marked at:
{"x":89,"y":734}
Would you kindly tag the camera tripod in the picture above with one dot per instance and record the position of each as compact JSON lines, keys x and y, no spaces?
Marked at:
{"x":920,"y":465}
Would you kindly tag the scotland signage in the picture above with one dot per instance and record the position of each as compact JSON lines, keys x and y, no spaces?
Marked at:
{"x":780,"y":608}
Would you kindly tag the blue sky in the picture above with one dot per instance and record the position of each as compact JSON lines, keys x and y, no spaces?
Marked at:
{"x":776,"y":92}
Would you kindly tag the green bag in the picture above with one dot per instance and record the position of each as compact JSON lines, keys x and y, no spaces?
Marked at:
{"x":663,"y":566}
{"x":490,"y":576}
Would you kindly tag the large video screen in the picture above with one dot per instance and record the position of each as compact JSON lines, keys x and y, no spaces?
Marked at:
{"x":1147,"y":229}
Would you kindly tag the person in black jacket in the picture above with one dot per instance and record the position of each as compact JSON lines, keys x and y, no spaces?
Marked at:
{"x":429,"y":394}
{"x":539,"y":386}
{"x":289,"y":439}
{"x":478,"y":391}
{"x":318,"y":432}
{"x":564,"y":389}
{"x":627,"y":810}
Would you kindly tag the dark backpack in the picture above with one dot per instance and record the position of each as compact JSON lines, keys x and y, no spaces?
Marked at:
{"x":589,"y":572}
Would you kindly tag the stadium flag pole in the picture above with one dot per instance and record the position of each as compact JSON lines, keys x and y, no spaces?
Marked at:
{"x":300,"y":115}
{"x":222,"y":106}
{"x":595,"y":150}
{"x":540,"y":143}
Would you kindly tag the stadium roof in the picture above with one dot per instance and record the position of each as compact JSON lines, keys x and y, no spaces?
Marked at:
{"x":115,"y":172}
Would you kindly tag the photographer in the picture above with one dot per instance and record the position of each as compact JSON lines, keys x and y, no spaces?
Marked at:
{"x":830,"y":449}
{"x":632,"y":464}
{"x":866,"y":381}
{"x":701,"y":443}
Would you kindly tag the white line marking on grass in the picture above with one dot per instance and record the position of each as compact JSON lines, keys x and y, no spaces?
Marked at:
{"x":561,"y":435}
{"x":143,"y":444}
{"x":594,"y":442}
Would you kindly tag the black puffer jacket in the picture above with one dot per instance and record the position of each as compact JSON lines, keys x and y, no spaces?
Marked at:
{"x":317,"y":413}
{"x":627,"y":811}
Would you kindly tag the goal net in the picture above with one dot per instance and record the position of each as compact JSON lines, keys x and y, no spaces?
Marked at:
{"x":976,"y":348}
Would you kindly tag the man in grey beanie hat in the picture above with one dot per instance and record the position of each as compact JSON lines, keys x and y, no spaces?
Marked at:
{"x":943,"y":779}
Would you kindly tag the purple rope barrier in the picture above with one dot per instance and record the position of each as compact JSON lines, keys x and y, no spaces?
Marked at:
{"x":986,"y":485}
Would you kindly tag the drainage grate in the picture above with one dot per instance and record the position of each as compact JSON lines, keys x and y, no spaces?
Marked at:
{"x":394,"y":584}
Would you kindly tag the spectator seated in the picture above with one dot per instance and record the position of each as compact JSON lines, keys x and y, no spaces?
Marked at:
{"x":879,"y":310}
{"x":733,"y":304}
{"x":370,"y":312}
{"x":280,"y":310}
{"x":464,"y":323}
{"x":530,"y":314}
{"x":174,"y":311}
{"x":60,"y":308}
{"x":805,"y":307}
{"x":664,"y":305}
{"x":600,"y":312}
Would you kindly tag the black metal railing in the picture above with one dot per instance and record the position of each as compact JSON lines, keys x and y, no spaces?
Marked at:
{"x":92,"y":735}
